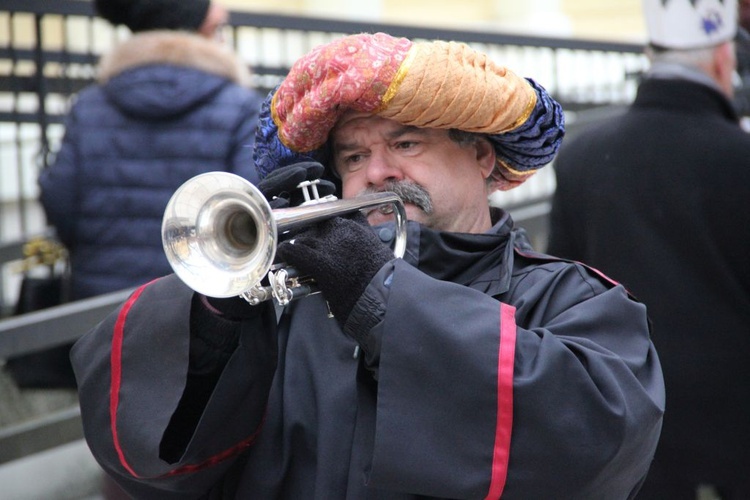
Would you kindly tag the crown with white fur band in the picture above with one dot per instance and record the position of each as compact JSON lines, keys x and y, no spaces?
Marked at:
{"x":690,"y":24}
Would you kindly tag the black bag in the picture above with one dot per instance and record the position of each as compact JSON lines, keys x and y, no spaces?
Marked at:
{"x":39,"y":293}
{"x":50,"y":368}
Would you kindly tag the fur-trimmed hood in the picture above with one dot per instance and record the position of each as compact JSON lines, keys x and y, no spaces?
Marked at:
{"x":174,"y":48}
{"x":161,"y":75}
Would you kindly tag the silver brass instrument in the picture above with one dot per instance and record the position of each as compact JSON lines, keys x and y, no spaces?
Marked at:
{"x":220,"y":235}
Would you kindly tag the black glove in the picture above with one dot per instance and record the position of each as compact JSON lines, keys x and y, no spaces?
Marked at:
{"x":342,"y":255}
{"x":280,"y":186}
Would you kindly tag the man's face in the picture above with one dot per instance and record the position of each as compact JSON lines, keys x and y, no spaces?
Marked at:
{"x":370,"y":153}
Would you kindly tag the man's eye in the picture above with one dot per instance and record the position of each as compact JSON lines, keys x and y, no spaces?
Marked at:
{"x":353,"y":162}
{"x":405,"y":144}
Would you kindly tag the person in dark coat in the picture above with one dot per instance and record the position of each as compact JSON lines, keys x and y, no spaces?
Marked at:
{"x":170,"y":103}
{"x":657,"y":199}
{"x":469,"y":366}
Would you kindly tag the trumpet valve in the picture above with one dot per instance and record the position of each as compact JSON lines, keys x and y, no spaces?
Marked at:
{"x":311,"y":194}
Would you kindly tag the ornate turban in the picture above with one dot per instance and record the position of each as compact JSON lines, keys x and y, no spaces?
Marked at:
{"x":435,"y":84}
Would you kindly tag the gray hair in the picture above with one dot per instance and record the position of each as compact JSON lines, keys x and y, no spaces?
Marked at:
{"x":689,"y":57}
{"x":463,"y":138}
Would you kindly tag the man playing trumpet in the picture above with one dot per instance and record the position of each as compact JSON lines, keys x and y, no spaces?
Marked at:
{"x":472,"y":367}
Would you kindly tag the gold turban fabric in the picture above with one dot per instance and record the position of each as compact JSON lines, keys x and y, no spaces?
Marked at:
{"x":450,"y":85}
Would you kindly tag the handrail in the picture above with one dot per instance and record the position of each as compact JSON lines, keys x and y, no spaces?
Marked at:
{"x":332,"y":25}
{"x":65,"y":7}
{"x":54,"y":326}
{"x":40,"y":434}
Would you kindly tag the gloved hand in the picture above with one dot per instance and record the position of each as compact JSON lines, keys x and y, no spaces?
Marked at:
{"x":342,"y":255}
{"x":280,"y":186}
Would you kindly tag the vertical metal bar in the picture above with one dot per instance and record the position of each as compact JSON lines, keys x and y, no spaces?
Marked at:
{"x":17,"y":130}
{"x":14,"y":106}
{"x":90,"y":41}
{"x":19,"y":204}
{"x":65,"y":62}
{"x":555,"y":72}
{"x":41,"y":89}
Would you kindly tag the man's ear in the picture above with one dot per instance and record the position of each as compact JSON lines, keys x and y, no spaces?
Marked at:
{"x":724,"y":66}
{"x":492,"y":171}
{"x":486,"y":157}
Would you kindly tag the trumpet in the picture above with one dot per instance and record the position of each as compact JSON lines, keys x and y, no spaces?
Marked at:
{"x":220,"y":235}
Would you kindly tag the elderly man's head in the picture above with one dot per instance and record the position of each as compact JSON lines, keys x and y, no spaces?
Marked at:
{"x":442,"y":182}
{"x":379,"y":111}
{"x":696,"y":33}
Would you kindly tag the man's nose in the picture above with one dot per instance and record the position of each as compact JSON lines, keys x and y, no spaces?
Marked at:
{"x":381,"y":169}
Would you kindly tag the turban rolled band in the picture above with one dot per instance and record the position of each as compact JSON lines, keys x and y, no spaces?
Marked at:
{"x":436,"y":84}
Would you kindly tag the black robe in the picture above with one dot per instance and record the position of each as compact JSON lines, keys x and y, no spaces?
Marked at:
{"x":488,"y":370}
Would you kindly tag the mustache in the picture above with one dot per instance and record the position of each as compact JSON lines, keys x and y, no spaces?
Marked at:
{"x":408,"y":191}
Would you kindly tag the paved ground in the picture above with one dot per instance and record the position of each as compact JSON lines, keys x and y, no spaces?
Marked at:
{"x":18,"y":406}
{"x":67,"y":472}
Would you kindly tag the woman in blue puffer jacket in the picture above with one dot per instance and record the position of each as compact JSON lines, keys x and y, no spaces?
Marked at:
{"x":169,"y":103}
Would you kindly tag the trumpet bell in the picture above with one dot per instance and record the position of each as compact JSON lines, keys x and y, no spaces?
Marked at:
{"x":219,"y":234}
